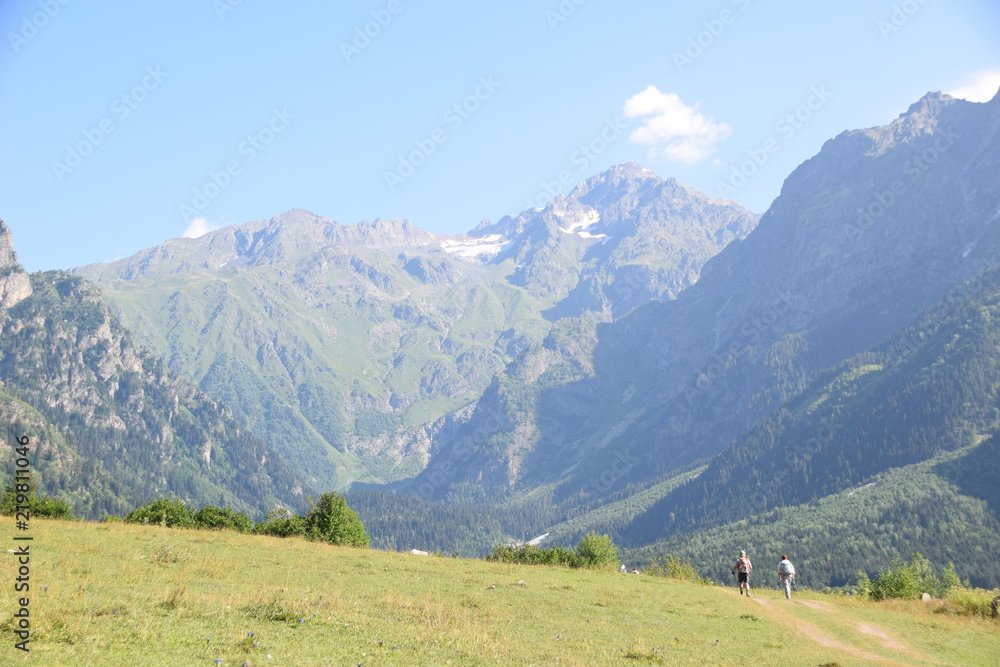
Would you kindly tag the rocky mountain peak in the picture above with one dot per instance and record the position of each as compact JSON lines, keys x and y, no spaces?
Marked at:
{"x":618,"y":181}
{"x":14,"y":283}
{"x":7,"y":255}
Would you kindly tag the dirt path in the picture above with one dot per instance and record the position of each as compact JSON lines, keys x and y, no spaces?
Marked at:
{"x":782,"y":612}
{"x":883,"y":637}
{"x":812,"y":632}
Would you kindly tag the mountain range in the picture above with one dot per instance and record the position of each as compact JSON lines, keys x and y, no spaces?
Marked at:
{"x":110,"y":426}
{"x":634,"y":357}
{"x":347,"y":346}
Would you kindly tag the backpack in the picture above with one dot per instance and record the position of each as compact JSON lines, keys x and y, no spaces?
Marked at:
{"x":743,"y":565}
{"x":786,"y":568}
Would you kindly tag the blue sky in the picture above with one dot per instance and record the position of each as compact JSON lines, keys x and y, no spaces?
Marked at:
{"x":128,"y":123}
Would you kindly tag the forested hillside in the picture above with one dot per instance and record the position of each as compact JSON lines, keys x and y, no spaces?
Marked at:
{"x":349,"y":346}
{"x":110,"y":427}
{"x":932,"y":388}
{"x":920,"y":508}
{"x":828,"y":274}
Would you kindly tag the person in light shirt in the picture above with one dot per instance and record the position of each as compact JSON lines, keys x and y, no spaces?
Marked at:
{"x":786,"y":575}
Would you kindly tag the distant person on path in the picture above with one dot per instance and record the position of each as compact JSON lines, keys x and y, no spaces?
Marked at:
{"x":743,"y":568}
{"x":786,"y":575}
{"x":622,"y":568}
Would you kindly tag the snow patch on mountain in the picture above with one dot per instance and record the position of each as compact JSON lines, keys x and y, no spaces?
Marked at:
{"x":488,"y":246}
{"x":578,"y":221}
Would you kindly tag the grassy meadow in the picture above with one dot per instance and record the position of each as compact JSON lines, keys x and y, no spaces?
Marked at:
{"x":116,"y":594}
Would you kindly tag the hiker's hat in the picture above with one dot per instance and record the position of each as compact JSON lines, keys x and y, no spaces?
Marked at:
{"x":742,"y":552}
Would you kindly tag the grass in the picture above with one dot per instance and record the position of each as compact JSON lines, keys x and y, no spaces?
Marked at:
{"x":121,"y":594}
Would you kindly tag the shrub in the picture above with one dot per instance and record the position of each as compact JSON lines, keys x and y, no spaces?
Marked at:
{"x":168,"y":512}
{"x":597,"y":551}
{"x":673,"y":567}
{"x":44,"y":506}
{"x":529,"y":554}
{"x":908,"y":581}
{"x":280,"y":522}
{"x":971,"y":601}
{"x":53,"y":508}
{"x":222,"y":518}
{"x":331,"y":520}
{"x":593,"y":551}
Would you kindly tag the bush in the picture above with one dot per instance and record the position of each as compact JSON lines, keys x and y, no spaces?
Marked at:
{"x":673,"y":567}
{"x":592,"y":551}
{"x":908,"y":581}
{"x":53,"y":508}
{"x":280,"y":522}
{"x":222,"y":518}
{"x":38,"y":506}
{"x":971,"y":601}
{"x":597,"y":551}
{"x":331,"y":520}
{"x":529,"y":554}
{"x":167,"y":512}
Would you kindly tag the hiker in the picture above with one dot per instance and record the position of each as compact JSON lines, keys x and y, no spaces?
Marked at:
{"x":622,"y":568}
{"x":786,"y":575}
{"x":743,"y":568}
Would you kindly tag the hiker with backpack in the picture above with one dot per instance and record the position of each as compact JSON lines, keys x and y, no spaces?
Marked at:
{"x":786,"y":575}
{"x":743,"y":568}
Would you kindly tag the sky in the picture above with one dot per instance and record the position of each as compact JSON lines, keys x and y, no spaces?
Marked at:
{"x":129,"y":123}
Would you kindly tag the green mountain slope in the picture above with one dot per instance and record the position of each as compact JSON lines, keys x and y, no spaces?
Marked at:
{"x":346,"y":346}
{"x":110,"y":426}
{"x":932,"y":388}
{"x":829,"y":272}
{"x":917,"y":508}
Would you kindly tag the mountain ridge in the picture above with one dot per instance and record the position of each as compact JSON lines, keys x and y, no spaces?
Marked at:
{"x":813,"y":284}
{"x":353,"y":342}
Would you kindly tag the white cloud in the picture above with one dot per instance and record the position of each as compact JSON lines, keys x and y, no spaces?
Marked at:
{"x":672,"y":129}
{"x":198,"y":227}
{"x":979,"y":87}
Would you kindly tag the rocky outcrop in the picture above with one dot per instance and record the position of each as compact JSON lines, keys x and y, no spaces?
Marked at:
{"x":15,"y":285}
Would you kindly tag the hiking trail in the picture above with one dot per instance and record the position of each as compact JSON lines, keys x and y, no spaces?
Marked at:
{"x":783,"y":612}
